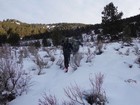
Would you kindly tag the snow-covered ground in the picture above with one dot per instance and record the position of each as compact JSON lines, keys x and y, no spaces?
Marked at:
{"x":121,"y":82}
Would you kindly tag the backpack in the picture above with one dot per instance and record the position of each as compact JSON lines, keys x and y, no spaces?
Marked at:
{"x":67,"y":47}
{"x":75,"y":45}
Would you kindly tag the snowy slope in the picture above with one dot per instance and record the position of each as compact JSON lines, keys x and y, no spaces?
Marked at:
{"x":113,"y":64}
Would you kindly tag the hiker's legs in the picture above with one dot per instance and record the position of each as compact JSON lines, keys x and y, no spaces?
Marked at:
{"x":66,"y":60}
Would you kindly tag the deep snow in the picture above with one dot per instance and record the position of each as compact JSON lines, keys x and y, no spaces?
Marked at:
{"x":113,"y":64}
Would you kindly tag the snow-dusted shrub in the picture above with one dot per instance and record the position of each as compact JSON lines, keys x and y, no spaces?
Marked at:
{"x":75,"y":94}
{"x":53,"y":50}
{"x":97,"y":95}
{"x":5,"y":51}
{"x":50,"y":51}
{"x":40,"y":63}
{"x":137,"y":61}
{"x":33,"y":50}
{"x":48,"y":100}
{"x":120,"y":53}
{"x":99,"y":47}
{"x":60,"y":62}
{"x":136,"y":50}
{"x":22,"y":53}
{"x":75,"y":60}
{"x":13,"y":80}
{"x":52,"y":58}
{"x":90,"y":56}
{"x":127,"y":52}
{"x":20,"y":57}
{"x":105,"y":46}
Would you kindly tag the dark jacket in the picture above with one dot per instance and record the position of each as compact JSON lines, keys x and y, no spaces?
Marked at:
{"x":67,"y":47}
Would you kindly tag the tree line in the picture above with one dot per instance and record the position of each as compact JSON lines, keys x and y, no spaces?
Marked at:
{"x":117,"y":28}
{"x":112,"y":27}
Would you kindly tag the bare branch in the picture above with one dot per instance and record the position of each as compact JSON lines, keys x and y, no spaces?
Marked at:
{"x":74,"y":94}
{"x":48,"y":100}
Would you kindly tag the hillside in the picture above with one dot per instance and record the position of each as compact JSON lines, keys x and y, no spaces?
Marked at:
{"x":24,"y":29}
{"x":11,"y":30}
{"x":121,"y":81}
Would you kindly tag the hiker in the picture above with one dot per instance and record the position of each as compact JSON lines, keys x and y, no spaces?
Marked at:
{"x":67,"y":49}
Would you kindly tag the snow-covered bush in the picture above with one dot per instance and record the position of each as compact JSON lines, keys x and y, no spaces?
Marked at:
{"x":38,"y":60}
{"x":33,"y":50}
{"x":22,"y":53}
{"x":5,"y":51}
{"x":50,"y":51}
{"x":136,"y":50}
{"x":127,"y":52}
{"x":75,"y":60}
{"x":60,"y":62}
{"x":137,"y":61}
{"x":40,"y":63}
{"x":99,"y":47}
{"x":90,"y":56}
{"x":97,"y":95}
{"x":52,"y":58}
{"x":52,"y":100}
{"x":13,"y":80}
{"x":74,"y":93}
{"x":76,"y":96}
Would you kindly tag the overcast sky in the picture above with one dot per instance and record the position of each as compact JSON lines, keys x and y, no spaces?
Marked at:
{"x":56,"y":11}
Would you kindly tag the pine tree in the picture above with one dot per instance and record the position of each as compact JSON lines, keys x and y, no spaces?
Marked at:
{"x":13,"y":39}
{"x":127,"y":35}
{"x":111,"y":13}
{"x":109,"y":19}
